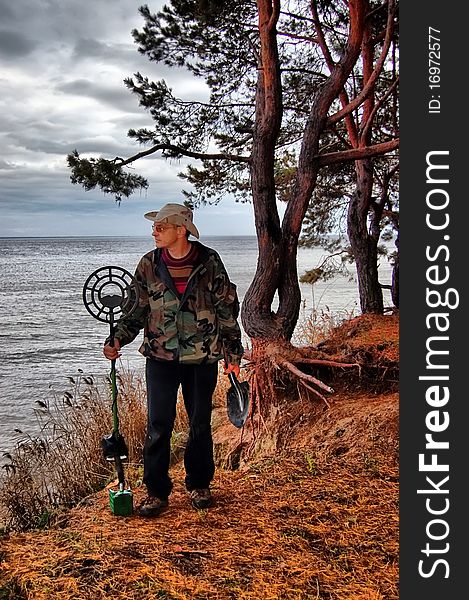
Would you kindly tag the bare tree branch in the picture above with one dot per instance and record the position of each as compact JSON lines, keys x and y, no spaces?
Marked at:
{"x":180,"y":151}
{"x":379,"y":103}
{"x":358,"y":153}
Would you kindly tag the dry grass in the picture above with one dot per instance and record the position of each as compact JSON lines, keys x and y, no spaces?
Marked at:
{"x":64,"y":463}
{"x":60,"y":465}
{"x":287,"y":528}
{"x":318,"y":325}
{"x":369,"y":339}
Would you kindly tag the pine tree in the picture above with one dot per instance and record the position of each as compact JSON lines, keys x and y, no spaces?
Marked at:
{"x":293,"y":90}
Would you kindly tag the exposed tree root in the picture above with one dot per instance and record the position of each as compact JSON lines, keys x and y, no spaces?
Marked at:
{"x":316,"y":393}
{"x":327,"y":363}
{"x":275,"y":375}
{"x":291,"y":367}
{"x":360,"y":354}
{"x":255,"y":416}
{"x":280,"y":358}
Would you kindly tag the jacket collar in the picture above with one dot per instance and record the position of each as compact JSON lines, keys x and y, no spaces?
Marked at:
{"x":162,"y":272}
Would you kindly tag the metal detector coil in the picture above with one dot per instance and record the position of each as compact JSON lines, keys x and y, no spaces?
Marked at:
{"x":108,"y":294}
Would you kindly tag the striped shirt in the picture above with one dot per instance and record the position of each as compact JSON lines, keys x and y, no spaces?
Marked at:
{"x":180,"y":268}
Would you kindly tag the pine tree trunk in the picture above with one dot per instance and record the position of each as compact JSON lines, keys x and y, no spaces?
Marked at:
{"x":364,"y":243}
{"x":366,"y":260}
{"x":275,"y":265}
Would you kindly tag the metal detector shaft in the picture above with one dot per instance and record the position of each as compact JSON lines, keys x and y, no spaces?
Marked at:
{"x":120,"y":472}
{"x":115,"y":414}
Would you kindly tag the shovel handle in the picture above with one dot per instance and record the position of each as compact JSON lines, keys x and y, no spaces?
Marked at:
{"x":233,"y":379}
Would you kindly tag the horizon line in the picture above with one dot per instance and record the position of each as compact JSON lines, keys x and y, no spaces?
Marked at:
{"x":67,"y":237}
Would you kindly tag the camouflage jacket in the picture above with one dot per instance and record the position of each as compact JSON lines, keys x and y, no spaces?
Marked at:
{"x":199,"y":327}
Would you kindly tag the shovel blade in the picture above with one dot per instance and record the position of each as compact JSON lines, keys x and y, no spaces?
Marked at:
{"x":237,"y":402}
{"x":121,"y":502}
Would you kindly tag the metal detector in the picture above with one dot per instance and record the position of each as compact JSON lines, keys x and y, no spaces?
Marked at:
{"x":108,"y":294}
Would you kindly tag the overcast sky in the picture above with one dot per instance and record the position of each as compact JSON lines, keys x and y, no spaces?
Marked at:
{"x":62,"y":65}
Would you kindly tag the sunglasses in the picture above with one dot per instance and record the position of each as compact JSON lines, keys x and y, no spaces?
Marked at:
{"x":163,"y":228}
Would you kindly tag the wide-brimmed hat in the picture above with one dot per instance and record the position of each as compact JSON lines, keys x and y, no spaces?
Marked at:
{"x":176,"y":214}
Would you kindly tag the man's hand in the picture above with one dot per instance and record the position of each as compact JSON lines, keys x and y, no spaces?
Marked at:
{"x":231,"y":369}
{"x":112,"y":352}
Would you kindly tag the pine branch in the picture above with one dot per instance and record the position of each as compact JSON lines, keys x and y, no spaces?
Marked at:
{"x":178,"y":151}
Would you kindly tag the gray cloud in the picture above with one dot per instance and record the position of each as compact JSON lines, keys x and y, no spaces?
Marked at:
{"x":63,"y":66}
{"x":14,"y":44}
{"x":105,"y":147}
{"x":6,"y":166}
{"x":125,"y":55}
{"x":117,"y":96}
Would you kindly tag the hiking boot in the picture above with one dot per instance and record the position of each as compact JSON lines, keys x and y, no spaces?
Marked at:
{"x":151,"y":506}
{"x":201,"y":498}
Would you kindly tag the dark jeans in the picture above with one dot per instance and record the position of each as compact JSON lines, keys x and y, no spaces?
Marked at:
{"x":198,"y":383}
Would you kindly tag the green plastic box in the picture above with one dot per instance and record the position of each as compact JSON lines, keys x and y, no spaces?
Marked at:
{"x":121,"y":502}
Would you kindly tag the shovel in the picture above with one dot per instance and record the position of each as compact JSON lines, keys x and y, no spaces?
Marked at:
{"x":237,"y":401}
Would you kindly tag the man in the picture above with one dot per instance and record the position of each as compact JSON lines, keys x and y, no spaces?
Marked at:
{"x":188,"y":309}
